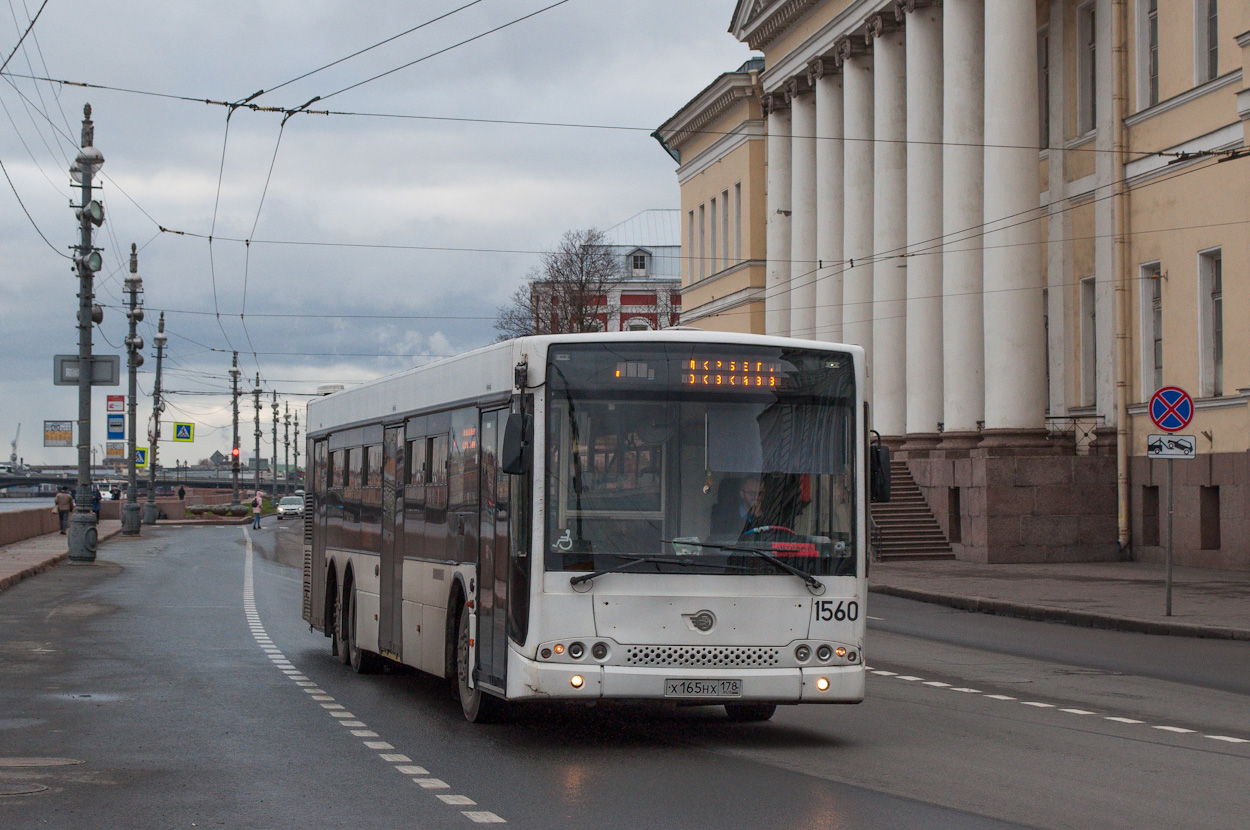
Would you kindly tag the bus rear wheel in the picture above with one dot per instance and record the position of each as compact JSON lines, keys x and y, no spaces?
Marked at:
{"x":750,"y":712}
{"x":338,"y":639}
{"x":478,"y":706}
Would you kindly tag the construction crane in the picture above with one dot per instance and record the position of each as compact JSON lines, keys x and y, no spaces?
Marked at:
{"x":13,"y":449}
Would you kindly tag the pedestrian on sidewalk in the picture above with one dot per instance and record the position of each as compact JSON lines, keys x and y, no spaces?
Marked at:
{"x":257,"y":502}
{"x":96,"y":498}
{"x":182,"y":493}
{"x":64,"y":505}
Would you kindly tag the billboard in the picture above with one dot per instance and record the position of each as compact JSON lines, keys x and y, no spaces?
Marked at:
{"x":115,"y":450}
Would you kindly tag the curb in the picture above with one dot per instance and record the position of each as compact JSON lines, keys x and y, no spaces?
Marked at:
{"x":1042,"y":613}
{"x":49,"y":563}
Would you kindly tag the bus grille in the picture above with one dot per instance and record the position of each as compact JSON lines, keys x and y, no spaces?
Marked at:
{"x":701,"y":656}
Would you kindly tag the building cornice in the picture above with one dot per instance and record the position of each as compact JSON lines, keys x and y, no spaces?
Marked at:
{"x":849,"y":24}
{"x":760,"y":22}
{"x":713,"y":102}
{"x":720,"y":305}
{"x":1228,"y":137}
{"x":1184,"y":98}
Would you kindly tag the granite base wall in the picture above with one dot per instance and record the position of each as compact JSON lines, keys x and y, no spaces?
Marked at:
{"x":1230,"y":473}
{"x":1022,"y":504}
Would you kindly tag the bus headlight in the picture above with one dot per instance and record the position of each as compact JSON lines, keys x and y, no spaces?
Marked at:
{"x":576,"y":681}
{"x":802,"y":652}
{"x":558,"y":648}
{"x":599,"y":650}
{"x":824,"y":654}
{"x":822,"y":684}
{"x":576,"y":650}
{"x":840,"y":651}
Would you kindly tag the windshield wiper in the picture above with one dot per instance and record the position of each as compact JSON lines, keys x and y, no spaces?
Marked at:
{"x":658,"y":560}
{"x":813,"y":584}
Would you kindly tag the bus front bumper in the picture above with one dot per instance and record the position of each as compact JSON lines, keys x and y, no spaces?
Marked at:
{"x":535,"y":680}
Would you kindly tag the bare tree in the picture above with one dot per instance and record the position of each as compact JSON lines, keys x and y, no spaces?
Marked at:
{"x":568,"y":292}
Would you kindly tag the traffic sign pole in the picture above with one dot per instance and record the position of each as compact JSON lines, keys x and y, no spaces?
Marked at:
{"x":1171,"y":410}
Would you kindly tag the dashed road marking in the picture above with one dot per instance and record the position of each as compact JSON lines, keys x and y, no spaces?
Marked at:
{"x":1037,"y":704}
{"x":403,"y":764}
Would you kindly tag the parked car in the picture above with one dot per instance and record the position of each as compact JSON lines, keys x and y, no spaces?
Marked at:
{"x":290,"y":506}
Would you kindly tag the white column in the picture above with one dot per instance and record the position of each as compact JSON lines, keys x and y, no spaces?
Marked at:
{"x":803,"y":209}
{"x":963,"y":106}
{"x":857,"y":202}
{"x":1015,"y":356}
{"x":777,"y":227}
{"x":889,"y":298}
{"x":829,"y":205}
{"x":924,"y":220}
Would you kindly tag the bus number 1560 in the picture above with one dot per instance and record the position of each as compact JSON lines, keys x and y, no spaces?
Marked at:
{"x":828,"y":610}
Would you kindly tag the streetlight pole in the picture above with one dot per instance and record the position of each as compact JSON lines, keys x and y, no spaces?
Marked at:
{"x":134,"y":348}
{"x":83,"y":533}
{"x":256,"y":402}
{"x":295,"y":449}
{"x":234,"y":447}
{"x":274,"y":465}
{"x":150,"y":510}
{"x":286,"y":449}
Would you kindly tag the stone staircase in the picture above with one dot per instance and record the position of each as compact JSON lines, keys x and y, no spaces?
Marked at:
{"x":906,"y":527}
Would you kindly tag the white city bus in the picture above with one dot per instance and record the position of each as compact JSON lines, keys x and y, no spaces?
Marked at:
{"x":673,"y":515}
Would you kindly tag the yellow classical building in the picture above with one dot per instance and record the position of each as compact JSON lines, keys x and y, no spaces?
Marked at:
{"x":1023,"y":210}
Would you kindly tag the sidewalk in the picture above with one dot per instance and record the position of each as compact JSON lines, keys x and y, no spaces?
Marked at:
{"x":1127,"y":596}
{"x":32,"y":556}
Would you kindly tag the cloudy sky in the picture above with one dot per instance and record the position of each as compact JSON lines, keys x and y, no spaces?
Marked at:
{"x":356,"y":205}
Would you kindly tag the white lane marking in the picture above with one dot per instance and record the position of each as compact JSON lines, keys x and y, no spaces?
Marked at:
{"x":461,"y":800}
{"x":403,"y":764}
{"x":878,"y":619}
{"x":966,"y":690}
{"x":1038,"y":705}
{"x":1124,"y":720}
{"x":884,"y":673}
{"x":405,"y":769}
{"x":482,"y":817}
{"x":1000,"y":697}
{"x":1078,"y":712}
{"x":1177,"y":729}
{"x":1228,"y":739}
{"x":937,"y":683}
{"x":909,"y":677}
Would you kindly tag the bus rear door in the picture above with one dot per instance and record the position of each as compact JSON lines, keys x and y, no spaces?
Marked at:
{"x":492,"y":569}
{"x":391,"y":576}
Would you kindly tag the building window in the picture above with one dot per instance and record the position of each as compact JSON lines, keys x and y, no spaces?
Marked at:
{"x":1209,"y":518}
{"x":639,"y":265}
{"x":1152,"y":52}
{"x":724,"y":229}
{"x":712,"y":228}
{"x":638,"y":324}
{"x":1152,"y":328}
{"x":702,"y":241}
{"x":1043,"y":87}
{"x":1206,"y":41}
{"x":689,"y":257}
{"x":1211,"y":301}
{"x":1150,"y":516}
{"x":738,"y":222}
{"x":1089,"y":343}
{"x":1086,"y":70}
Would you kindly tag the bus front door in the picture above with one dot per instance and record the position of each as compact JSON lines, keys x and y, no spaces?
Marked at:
{"x":492,"y":562}
{"x":391,"y":576}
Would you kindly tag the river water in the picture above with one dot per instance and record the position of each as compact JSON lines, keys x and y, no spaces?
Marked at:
{"x":25,"y":504}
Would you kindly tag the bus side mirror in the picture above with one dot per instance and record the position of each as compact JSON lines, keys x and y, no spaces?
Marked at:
{"x":879,"y":475}
{"x":518,"y":434}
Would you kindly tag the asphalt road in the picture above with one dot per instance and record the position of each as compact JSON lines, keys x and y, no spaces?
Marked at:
{"x":161,"y":687}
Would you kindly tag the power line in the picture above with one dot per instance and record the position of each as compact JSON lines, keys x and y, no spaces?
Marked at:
{"x":362,"y":51}
{"x":23,"y":37}
{"x":445,"y":50}
{"x":28,"y":216}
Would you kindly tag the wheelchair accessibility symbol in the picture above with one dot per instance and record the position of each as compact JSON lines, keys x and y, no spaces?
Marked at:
{"x":565,"y":543}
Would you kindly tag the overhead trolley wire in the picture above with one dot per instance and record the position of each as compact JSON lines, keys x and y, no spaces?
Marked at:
{"x":23,"y":37}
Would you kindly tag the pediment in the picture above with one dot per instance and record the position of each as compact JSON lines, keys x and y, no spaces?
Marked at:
{"x":758,"y":22}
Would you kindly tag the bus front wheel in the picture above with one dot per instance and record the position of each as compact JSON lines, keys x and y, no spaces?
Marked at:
{"x":750,"y":712}
{"x":478,"y":707}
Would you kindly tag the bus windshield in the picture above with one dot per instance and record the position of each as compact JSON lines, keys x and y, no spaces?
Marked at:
{"x":693,"y":455}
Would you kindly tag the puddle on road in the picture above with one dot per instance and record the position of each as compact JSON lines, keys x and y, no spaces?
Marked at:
{"x":20,"y":789}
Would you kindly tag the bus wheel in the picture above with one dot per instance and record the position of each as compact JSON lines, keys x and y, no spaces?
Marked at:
{"x":750,"y":712}
{"x":361,"y":661}
{"x":338,"y":640}
{"x":477,"y":706}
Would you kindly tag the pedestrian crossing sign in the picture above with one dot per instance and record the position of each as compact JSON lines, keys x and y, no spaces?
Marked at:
{"x":141,"y":457}
{"x":184,"y":432}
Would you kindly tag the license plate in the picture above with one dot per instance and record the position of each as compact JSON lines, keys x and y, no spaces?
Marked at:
{"x":702,"y":688}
